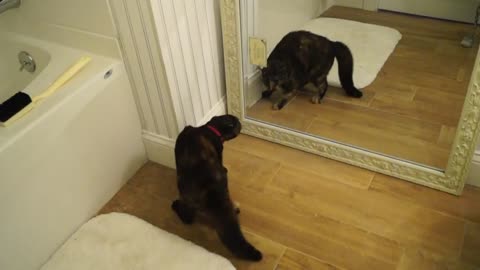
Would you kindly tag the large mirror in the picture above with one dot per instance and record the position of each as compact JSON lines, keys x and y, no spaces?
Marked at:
{"x":382,"y":84}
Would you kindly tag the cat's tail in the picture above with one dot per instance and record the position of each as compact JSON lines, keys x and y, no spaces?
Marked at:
{"x":232,"y":237}
{"x":345,"y":68}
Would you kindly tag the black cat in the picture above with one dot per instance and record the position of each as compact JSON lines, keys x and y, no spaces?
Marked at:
{"x":203,"y":184}
{"x":301,"y":58}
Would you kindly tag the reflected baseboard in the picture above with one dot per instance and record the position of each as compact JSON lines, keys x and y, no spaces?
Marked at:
{"x":474,"y":177}
{"x":254,"y":88}
{"x":476,"y":156}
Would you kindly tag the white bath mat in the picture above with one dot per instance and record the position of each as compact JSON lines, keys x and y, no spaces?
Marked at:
{"x":371,"y":45}
{"x":119,"y":241}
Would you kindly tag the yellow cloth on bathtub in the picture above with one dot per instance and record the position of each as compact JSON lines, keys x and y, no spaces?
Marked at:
{"x":59,"y":82}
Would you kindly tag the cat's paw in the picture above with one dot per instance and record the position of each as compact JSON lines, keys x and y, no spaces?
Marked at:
{"x":266,"y":93}
{"x":185,"y":213}
{"x":280,"y":104}
{"x":356,"y":94}
{"x":252,"y":254}
{"x":237,"y":207}
{"x":316,"y":100}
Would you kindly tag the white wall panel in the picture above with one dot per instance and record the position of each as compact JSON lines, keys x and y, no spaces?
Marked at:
{"x":190,"y":41}
{"x":144,"y":61}
{"x":174,"y":54}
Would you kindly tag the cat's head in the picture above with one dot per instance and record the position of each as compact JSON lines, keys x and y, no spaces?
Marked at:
{"x":228,"y":125}
{"x":275,"y":73}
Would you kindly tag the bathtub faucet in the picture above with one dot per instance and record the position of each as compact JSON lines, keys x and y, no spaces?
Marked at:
{"x":8,"y":4}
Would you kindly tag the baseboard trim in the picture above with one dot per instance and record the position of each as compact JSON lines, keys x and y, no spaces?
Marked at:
{"x":219,"y":109}
{"x":474,"y":177}
{"x":160,"y":149}
{"x":371,"y":5}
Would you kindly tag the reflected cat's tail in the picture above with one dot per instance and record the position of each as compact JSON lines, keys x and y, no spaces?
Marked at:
{"x":345,"y":68}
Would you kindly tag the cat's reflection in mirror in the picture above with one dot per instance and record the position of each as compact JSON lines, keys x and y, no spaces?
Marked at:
{"x":301,"y":62}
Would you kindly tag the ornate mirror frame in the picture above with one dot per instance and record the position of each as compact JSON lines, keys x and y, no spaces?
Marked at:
{"x":451,"y":181}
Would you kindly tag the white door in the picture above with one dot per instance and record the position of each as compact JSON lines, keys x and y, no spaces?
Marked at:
{"x":456,"y":10}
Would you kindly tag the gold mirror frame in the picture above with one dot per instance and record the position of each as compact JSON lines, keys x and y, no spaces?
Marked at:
{"x":451,"y":181}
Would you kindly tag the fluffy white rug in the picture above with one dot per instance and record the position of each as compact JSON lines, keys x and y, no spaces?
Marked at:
{"x":371,"y":45}
{"x":120,"y":241}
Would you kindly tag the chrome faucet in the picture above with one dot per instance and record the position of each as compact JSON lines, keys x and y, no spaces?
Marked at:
{"x":8,"y":4}
{"x":26,"y":62}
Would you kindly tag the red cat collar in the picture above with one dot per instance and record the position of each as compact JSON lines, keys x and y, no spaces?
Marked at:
{"x":214,"y":130}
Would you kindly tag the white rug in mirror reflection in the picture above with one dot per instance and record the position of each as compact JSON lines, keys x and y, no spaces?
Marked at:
{"x":371,"y":45}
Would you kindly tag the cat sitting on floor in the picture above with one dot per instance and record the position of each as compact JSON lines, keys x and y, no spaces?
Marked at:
{"x":203,"y":184}
{"x":302,"y":58}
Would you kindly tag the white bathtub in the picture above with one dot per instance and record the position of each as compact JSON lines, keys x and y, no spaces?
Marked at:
{"x":65,"y":159}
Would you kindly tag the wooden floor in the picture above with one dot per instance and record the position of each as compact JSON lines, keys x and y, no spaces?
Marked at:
{"x":414,"y":103}
{"x":307,"y":212}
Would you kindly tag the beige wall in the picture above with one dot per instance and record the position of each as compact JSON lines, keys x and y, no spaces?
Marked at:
{"x":87,"y":15}
{"x":456,"y":10}
{"x":86,"y":25}
{"x":275,"y":18}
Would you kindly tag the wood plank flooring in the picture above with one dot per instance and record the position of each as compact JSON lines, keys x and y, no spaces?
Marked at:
{"x":414,"y":103}
{"x":311,"y":213}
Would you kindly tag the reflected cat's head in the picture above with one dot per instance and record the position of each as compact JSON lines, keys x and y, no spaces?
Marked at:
{"x":276,"y":72}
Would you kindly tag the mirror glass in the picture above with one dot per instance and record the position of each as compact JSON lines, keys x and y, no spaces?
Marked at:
{"x":390,"y":81}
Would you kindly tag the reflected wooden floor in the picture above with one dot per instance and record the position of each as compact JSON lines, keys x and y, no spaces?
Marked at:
{"x":414,"y":103}
{"x":311,"y":213}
